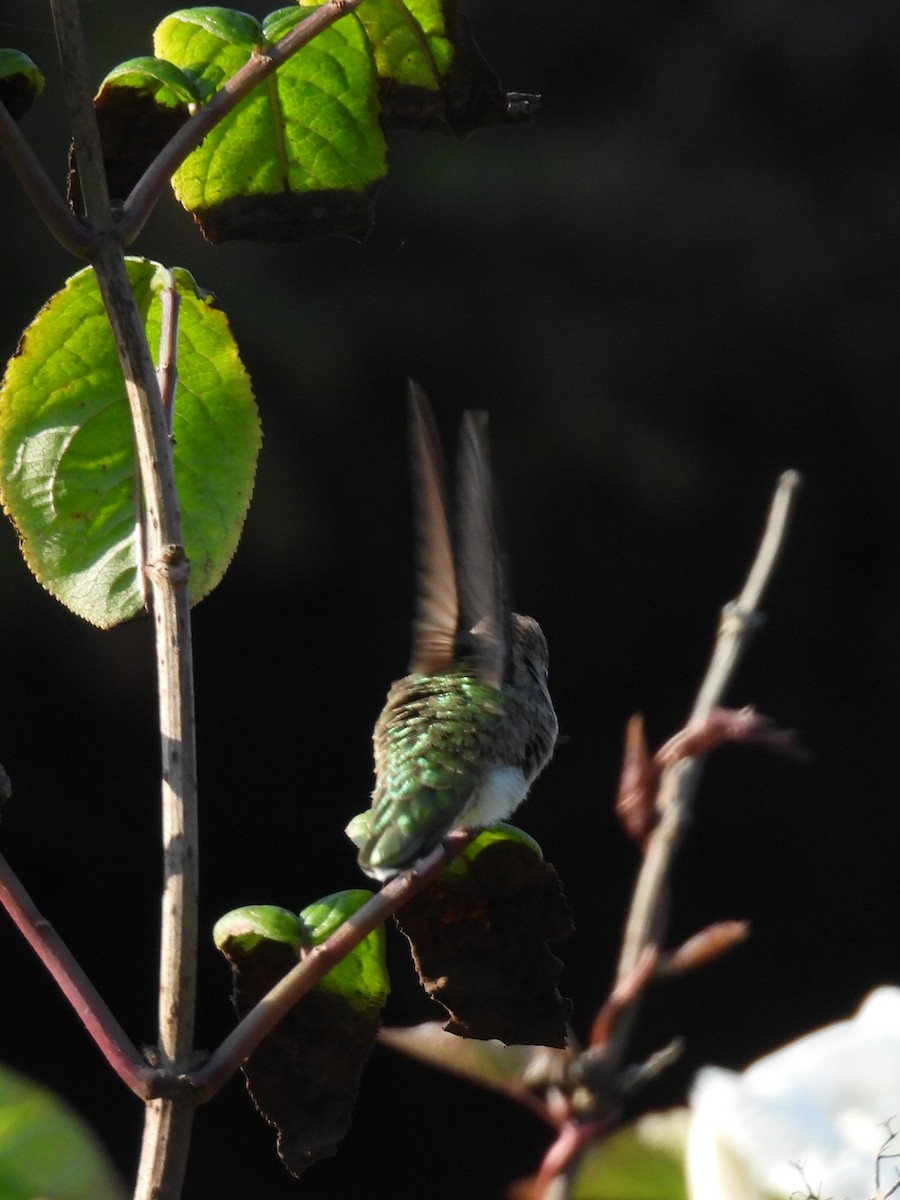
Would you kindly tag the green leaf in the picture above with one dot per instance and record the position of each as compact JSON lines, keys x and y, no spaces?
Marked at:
{"x":304,"y":1076}
{"x":243,"y":929}
{"x":20,"y":82}
{"x":644,"y":1161}
{"x":361,"y":978}
{"x":493,"y":835}
{"x":168,"y":84}
{"x":304,"y":153}
{"x":304,"y":145}
{"x":67,"y":458}
{"x":410,"y":41}
{"x":47,"y":1151}
{"x":431,"y":74}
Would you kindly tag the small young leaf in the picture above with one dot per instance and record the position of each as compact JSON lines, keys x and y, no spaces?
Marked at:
{"x":140,"y":105}
{"x":46,"y":1150}
{"x":304,"y":1077}
{"x":303,"y":153}
{"x":20,"y":82}
{"x":479,"y":937}
{"x":238,"y":933}
{"x":67,"y":458}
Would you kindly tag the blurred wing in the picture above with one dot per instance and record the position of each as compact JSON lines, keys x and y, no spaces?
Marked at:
{"x":436,"y":610}
{"x":479,"y":582}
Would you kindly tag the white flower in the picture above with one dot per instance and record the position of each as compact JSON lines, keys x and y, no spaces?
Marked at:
{"x":820,"y":1102}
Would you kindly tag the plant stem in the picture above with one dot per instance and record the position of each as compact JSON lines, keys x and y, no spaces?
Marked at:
{"x":167,"y":1127}
{"x":74,"y":984}
{"x":648,"y":914}
{"x":38,"y":187}
{"x":678,"y":784}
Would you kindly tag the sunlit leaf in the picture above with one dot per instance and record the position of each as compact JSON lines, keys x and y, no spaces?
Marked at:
{"x":46,"y":1151}
{"x":239,"y":932}
{"x":304,"y":1077}
{"x":67,"y":458}
{"x":304,"y":151}
{"x":431,"y":75}
{"x":361,"y":978}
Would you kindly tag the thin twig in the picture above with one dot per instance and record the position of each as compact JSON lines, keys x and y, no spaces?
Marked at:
{"x":167,"y":1128}
{"x":740,"y":617}
{"x":678,"y":784}
{"x":167,"y":361}
{"x":275,"y":1005}
{"x":647,"y":917}
{"x":148,"y":189}
{"x":71,"y":234}
{"x":89,"y":1006}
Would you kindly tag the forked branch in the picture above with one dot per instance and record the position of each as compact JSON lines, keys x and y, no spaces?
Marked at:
{"x":602,"y":1068}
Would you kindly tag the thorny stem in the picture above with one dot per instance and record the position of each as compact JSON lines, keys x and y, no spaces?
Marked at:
{"x":168,"y":1122}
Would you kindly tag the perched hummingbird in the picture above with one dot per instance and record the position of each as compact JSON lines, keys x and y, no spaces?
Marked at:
{"x":462,"y":737}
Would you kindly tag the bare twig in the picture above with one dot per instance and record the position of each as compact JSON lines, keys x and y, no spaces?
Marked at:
{"x":167,"y":1129}
{"x":167,"y":362}
{"x":275,"y":1005}
{"x":624,"y":994}
{"x":601,"y":1069}
{"x":150,"y":186}
{"x":89,"y":1006}
{"x":559,"y":1168}
{"x":678,"y":783}
{"x":71,"y":234}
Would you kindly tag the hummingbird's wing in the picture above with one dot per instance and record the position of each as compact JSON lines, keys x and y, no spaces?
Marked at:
{"x":436,"y":612}
{"x":482,"y":604}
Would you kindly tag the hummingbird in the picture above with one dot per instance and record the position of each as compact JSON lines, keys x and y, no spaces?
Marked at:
{"x":462,"y":737}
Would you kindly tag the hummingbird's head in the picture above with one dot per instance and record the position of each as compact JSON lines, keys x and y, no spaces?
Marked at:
{"x":529,"y":658}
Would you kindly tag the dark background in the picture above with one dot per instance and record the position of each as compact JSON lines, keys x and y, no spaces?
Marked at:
{"x":680,"y":280}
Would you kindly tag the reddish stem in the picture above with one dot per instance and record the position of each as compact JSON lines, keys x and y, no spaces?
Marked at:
{"x":571,"y":1142}
{"x":624,"y":993}
{"x":89,"y":1006}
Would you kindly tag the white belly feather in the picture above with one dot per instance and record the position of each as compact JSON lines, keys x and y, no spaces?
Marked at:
{"x":499,"y":794}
